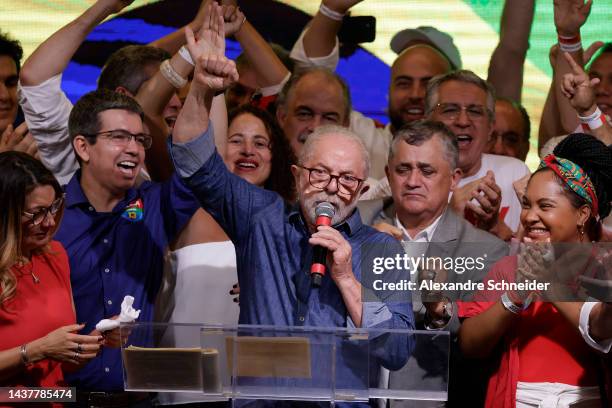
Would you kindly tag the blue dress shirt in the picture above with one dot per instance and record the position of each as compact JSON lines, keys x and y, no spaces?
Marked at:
{"x":273,"y":253}
{"x":117,"y":254}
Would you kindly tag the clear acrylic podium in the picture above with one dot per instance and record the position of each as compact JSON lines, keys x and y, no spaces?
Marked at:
{"x":285,"y":363}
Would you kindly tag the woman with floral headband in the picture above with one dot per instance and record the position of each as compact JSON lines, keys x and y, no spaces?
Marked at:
{"x":539,"y":357}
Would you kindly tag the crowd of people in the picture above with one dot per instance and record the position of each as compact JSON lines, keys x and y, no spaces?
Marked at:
{"x":191,"y":182}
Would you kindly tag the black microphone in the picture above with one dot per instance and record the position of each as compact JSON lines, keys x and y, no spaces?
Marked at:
{"x":324,"y":213}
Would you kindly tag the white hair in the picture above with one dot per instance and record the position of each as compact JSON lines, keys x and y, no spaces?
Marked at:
{"x":322,"y":131}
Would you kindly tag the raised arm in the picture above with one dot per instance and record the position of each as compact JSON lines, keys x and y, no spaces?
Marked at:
{"x":320,"y":39}
{"x":54,"y":54}
{"x":213,"y":73}
{"x":577,"y":89}
{"x":318,"y":43}
{"x":508,"y":59}
{"x":175,"y":40}
{"x":46,"y":108}
{"x":570,"y":15}
{"x":155,"y":94}
{"x":269,"y":68}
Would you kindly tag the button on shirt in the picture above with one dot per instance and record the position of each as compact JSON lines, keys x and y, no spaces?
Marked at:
{"x":274,"y":255}
{"x":117,"y":254}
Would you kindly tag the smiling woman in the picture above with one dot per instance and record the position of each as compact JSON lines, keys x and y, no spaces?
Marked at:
{"x":257,"y":151}
{"x":38,"y":327}
{"x":565,"y":201}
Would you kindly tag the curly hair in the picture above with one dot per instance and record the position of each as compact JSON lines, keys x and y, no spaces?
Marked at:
{"x":12,"y":48}
{"x":595,"y":158}
{"x":280,"y":180}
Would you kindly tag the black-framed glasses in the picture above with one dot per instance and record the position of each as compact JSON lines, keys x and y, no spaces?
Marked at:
{"x":320,"y":179}
{"x":451,"y":111}
{"x":37,"y":217}
{"x":121,"y":137}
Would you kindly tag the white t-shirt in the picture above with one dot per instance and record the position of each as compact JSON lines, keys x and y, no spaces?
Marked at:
{"x":506,"y":170}
{"x":197,"y":281}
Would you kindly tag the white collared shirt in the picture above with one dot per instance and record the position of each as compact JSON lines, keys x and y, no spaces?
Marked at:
{"x":423,"y":236}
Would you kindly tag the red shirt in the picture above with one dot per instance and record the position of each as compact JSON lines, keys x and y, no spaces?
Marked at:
{"x":540,"y":347}
{"x":35,"y":310}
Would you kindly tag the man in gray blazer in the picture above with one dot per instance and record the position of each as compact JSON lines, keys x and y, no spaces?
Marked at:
{"x":422,"y":172}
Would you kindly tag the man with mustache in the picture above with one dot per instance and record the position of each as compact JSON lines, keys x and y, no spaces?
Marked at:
{"x":274,"y":240}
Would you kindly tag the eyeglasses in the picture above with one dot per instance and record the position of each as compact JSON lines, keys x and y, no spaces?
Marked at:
{"x":451,"y":111}
{"x":260,"y":143}
{"x":123,"y":137}
{"x":320,"y":179}
{"x":40,"y":215}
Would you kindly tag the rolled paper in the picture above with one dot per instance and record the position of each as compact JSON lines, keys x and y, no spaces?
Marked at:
{"x":211,"y":376}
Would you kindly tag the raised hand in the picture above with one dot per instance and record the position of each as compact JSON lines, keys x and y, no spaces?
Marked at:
{"x":570,"y":15}
{"x":210,"y":39}
{"x":234,"y":19}
{"x":578,"y":88}
{"x":215,"y":72}
{"x":196,"y":23}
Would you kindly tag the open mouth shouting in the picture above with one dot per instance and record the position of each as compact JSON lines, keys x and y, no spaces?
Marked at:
{"x":464,"y":141}
{"x":128,"y":168}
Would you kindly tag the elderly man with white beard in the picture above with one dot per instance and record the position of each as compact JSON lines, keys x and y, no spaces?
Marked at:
{"x":274,"y":240}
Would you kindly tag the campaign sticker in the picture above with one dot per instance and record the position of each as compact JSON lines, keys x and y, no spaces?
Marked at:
{"x":134,"y":211}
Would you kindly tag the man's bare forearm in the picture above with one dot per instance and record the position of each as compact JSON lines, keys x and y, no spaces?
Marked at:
{"x":508,"y":60}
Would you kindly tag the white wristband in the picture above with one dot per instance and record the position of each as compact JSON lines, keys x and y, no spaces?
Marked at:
{"x":570,"y":47}
{"x":184,"y":53}
{"x":570,"y":44}
{"x":594,"y":121}
{"x":512,"y":307}
{"x":329,"y":13}
{"x":171,"y":75}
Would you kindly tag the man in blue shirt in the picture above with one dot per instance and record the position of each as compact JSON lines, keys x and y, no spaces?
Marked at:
{"x":115,"y":234}
{"x":274,"y":239}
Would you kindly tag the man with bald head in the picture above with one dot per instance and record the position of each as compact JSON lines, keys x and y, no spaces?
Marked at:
{"x":410,"y":73}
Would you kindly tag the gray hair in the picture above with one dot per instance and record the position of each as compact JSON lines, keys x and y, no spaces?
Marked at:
{"x":322,"y":131}
{"x":418,"y":132}
{"x":464,"y":76}
{"x":283,"y":96}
